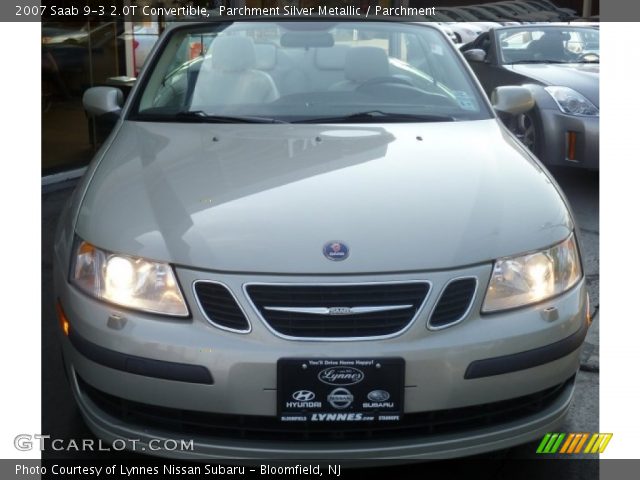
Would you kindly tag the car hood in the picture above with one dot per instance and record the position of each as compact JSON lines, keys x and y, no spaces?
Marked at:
{"x":267,"y":198}
{"x":582,"y":77}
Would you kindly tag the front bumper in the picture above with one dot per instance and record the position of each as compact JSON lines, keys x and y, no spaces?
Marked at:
{"x":243,"y":370}
{"x":240,"y":437}
{"x":558,"y":128}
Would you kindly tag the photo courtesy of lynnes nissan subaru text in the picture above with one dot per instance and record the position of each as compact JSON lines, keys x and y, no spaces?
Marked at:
{"x":315,"y":239}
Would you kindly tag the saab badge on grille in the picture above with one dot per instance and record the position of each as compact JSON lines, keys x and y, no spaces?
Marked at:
{"x":335,"y":251}
{"x":340,"y":311}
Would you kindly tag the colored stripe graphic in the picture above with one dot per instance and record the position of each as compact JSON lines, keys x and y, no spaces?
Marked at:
{"x":567,"y":443}
{"x":573,"y":443}
{"x":606,"y":442}
{"x":591,"y":442}
{"x":584,"y":439}
{"x":576,"y":441}
{"x":556,"y":445}
{"x":543,"y":443}
{"x":600,"y":442}
{"x":550,"y":443}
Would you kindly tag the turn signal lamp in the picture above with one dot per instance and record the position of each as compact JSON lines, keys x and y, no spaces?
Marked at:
{"x":62,"y":319}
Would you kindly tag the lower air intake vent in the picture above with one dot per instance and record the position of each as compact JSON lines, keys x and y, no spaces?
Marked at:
{"x":454,"y":302}
{"x":171,"y":422}
{"x":220,"y":307}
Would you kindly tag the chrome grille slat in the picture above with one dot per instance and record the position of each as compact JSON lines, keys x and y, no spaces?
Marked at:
{"x":334,"y":311}
{"x":328,"y":311}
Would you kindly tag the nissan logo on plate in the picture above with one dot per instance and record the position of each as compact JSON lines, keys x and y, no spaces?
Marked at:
{"x":340,"y":376}
{"x":340,"y":398}
{"x":303,"y":396}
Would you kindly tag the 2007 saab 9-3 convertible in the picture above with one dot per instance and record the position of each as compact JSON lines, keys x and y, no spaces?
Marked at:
{"x":315,"y":239}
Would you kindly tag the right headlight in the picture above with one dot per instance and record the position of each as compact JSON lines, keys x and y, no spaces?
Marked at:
{"x":571,"y":102}
{"x":533,"y":277}
{"x":126,"y":280}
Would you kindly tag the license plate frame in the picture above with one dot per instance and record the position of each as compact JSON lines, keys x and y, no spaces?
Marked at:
{"x":340,"y":390}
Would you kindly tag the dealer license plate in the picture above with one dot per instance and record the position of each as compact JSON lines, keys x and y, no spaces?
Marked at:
{"x":340,"y":390}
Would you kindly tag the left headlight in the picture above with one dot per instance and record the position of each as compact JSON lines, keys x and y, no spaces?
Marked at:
{"x":128,"y":281}
{"x":571,"y":102}
{"x":534,"y":277}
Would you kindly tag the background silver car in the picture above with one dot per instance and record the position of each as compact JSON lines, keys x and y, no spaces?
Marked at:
{"x":316,"y":240}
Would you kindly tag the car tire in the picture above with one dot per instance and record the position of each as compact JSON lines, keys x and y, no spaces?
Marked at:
{"x":528,"y":129}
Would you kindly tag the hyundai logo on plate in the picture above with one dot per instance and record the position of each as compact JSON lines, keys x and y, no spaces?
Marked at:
{"x":303,"y":396}
{"x":335,"y":251}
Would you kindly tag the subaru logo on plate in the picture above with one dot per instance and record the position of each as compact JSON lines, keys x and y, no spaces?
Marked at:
{"x":303,"y":396}
{"x":378,"y":396}
{"x":336,"y":251}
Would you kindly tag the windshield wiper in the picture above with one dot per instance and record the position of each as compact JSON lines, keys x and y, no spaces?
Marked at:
{"x":202,"y":117}
{"x":378,"y":116}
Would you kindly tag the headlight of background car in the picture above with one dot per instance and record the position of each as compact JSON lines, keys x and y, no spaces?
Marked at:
{"x":127,"y":281}
{"x":531,"y":278}
{"x":571,"y":102}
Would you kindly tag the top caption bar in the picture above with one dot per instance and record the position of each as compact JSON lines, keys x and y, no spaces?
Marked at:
{"x":73,"y":12}
{"x":143,"y":10}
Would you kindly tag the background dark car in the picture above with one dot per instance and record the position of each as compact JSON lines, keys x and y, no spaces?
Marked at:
{"x":560,"y":65}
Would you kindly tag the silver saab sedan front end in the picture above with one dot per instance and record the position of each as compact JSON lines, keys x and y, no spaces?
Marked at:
{"x":315,"y":240}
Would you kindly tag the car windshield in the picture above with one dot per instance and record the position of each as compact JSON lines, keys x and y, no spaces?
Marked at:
{"x":275,"y":72}
{"x":549,"y":45}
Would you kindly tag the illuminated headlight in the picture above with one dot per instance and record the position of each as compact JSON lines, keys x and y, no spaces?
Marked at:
{"x":131,"y":282}
{"x":571,"y":102}
{"x":534,"y":277}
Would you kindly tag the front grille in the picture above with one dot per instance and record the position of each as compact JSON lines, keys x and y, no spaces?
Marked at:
{"x":219,"y":306}
{"x":400,"y":303}
{"x":250,"y":427}
{"x":453,"y":303}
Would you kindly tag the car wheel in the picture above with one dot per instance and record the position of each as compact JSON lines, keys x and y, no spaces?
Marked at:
{"x":527,"y":129}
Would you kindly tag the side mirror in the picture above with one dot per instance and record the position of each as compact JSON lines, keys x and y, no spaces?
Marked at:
{"x":475,"y":55}
{"x":512,"y":99}
{"x":100,"y":100}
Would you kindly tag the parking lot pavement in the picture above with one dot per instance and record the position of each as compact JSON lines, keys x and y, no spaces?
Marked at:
{"x":60,"y":418}
{"x":582,"y":191}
